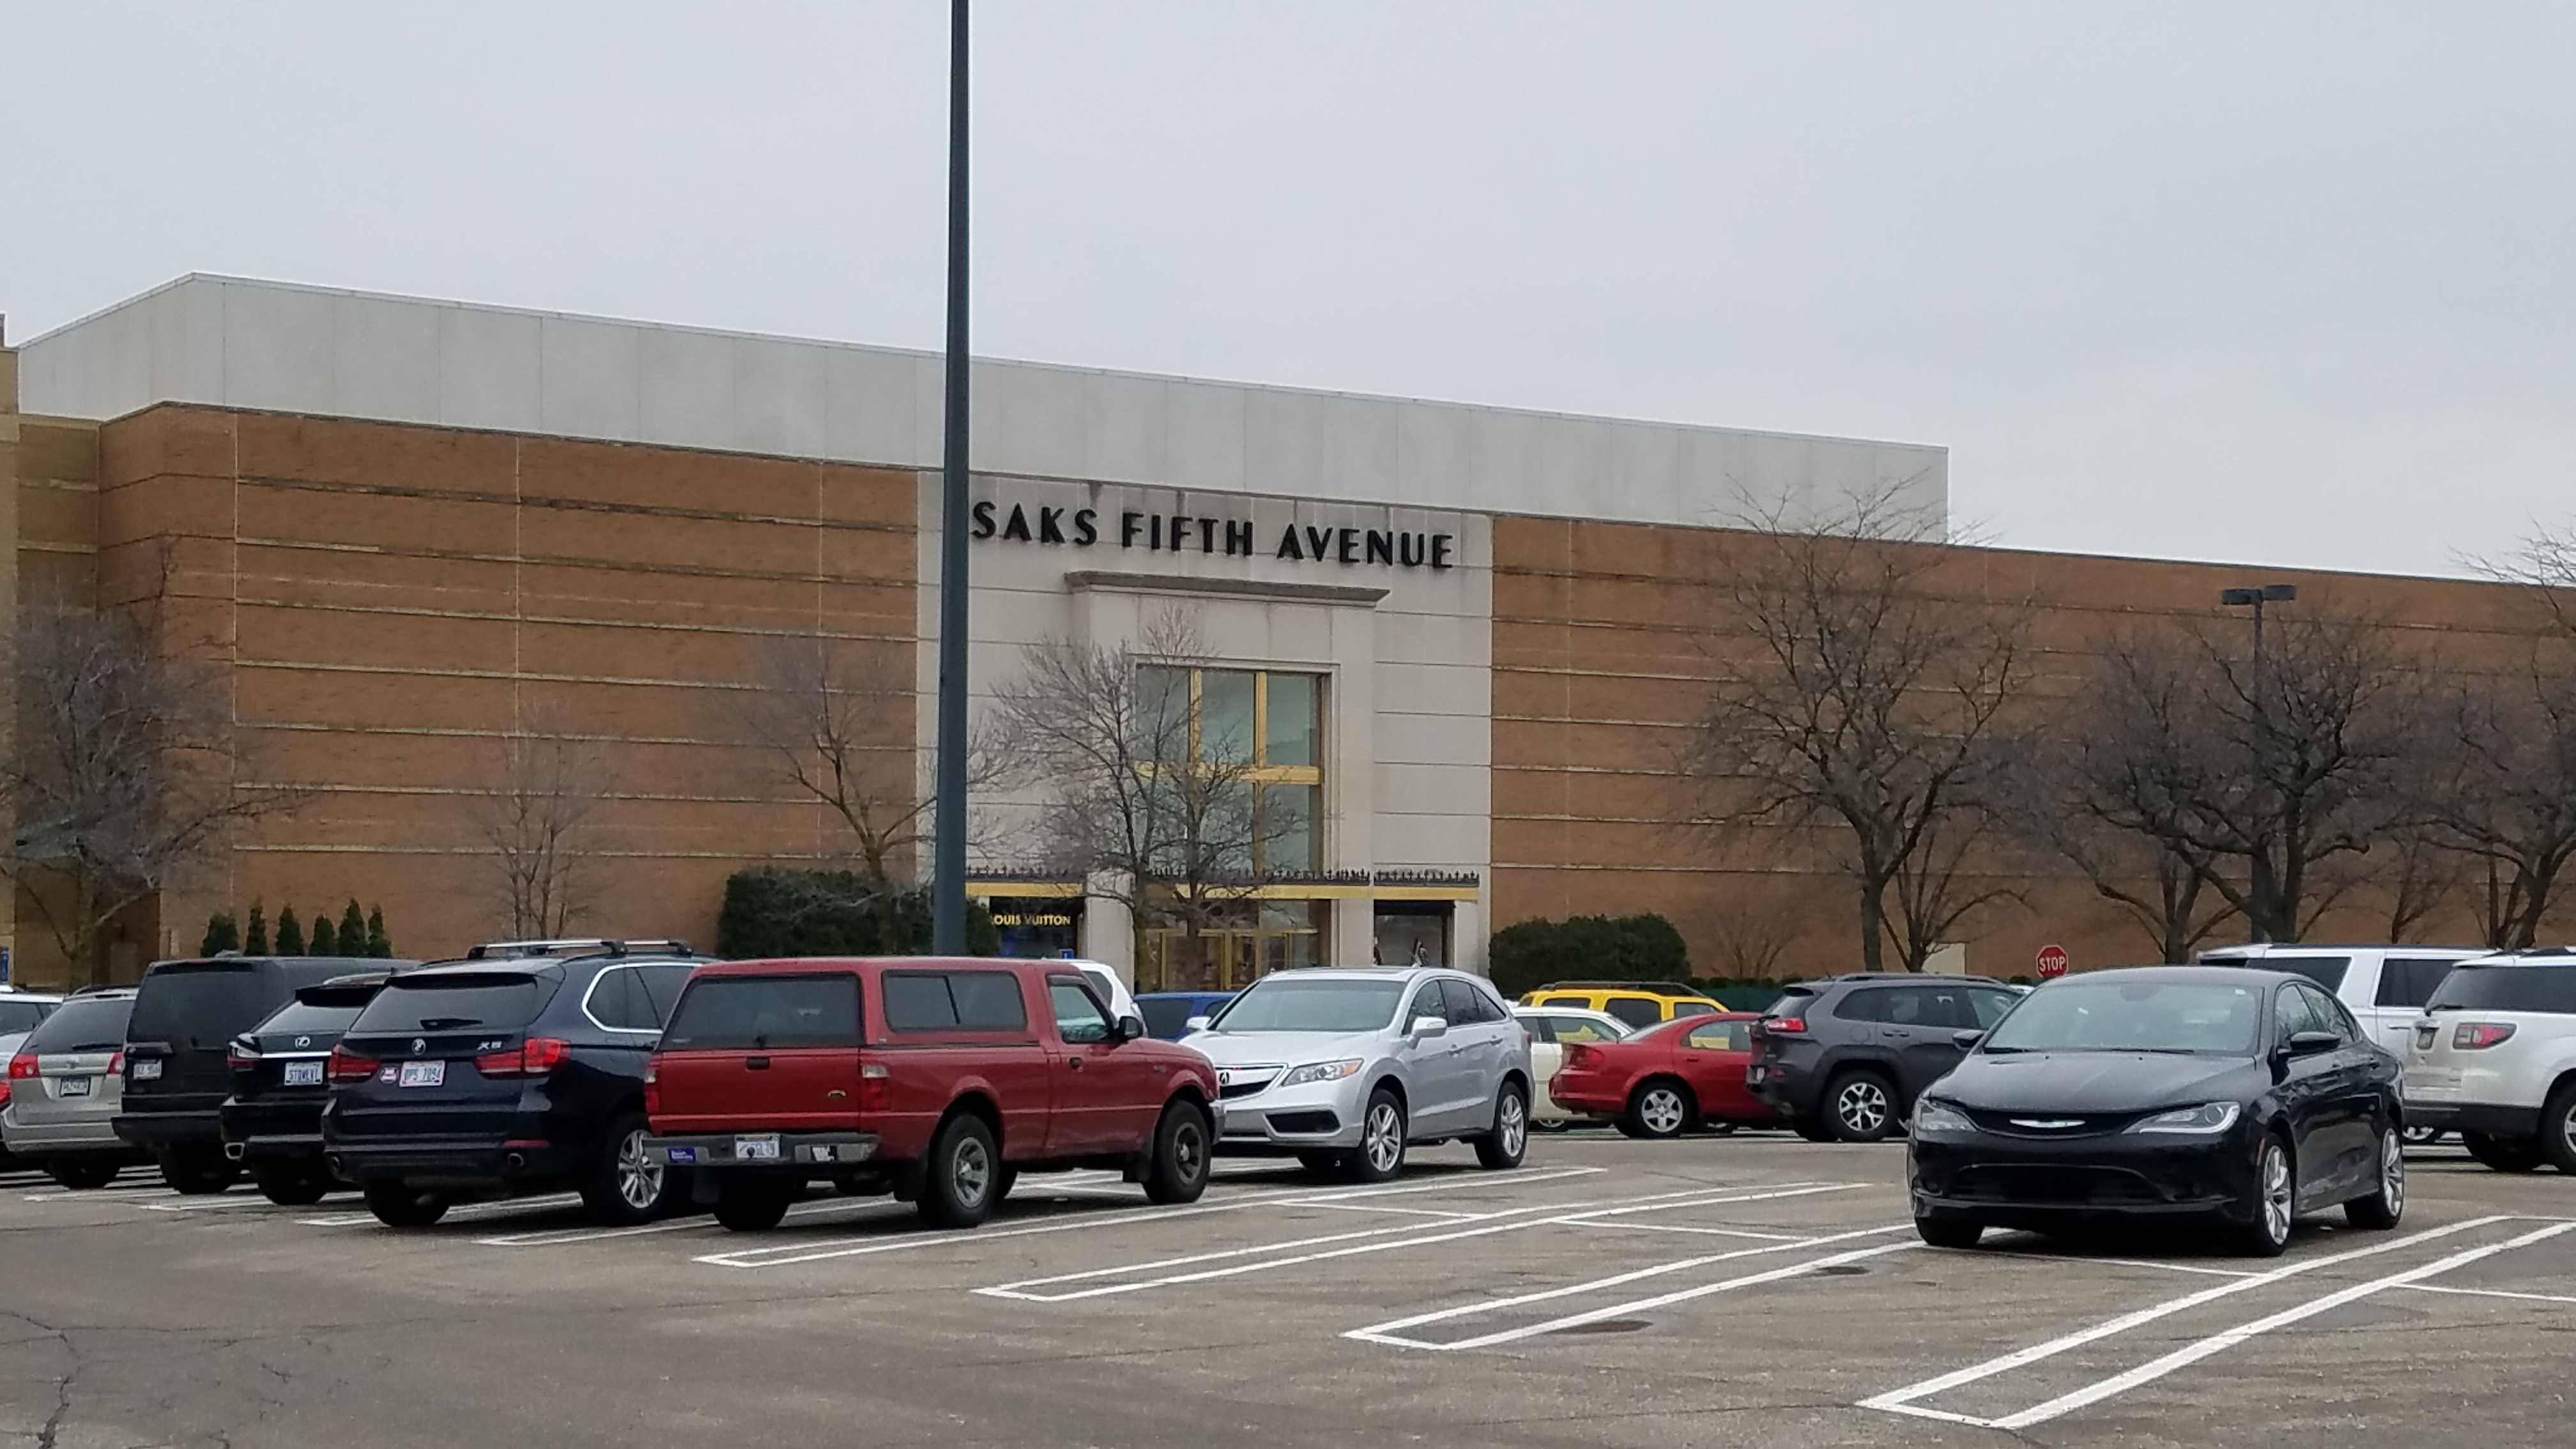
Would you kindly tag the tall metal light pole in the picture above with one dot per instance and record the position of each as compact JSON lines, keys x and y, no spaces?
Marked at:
{"x":948,"y":815}
{"x":2260,"y":884}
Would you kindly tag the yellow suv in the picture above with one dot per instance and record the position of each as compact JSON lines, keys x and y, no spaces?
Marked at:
{"x":1638,"y":1003}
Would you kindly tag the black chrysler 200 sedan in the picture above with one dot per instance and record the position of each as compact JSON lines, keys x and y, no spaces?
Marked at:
{"x":2247,"y":1097}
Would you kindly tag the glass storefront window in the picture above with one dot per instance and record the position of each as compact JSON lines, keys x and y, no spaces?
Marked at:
{"x":1248,"y":940}
{"x":1287,"y":829}
{"x":1291,"y":719}
{"x":1226,"y":716}
{"x":1162,"y":715}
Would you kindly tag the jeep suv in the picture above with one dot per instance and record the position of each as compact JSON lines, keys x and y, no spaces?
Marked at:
{"x":2494,"y":1057}
{"x":186,"y":1014}
{"x":517,"y":1070}
{"x":1844,"y":1058}
{"x":937,"y":1080}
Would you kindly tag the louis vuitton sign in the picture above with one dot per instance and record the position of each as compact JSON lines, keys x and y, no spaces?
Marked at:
{"x":1052,"y":525}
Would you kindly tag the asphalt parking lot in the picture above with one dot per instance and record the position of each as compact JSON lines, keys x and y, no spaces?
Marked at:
{"x":1742,"y":1290}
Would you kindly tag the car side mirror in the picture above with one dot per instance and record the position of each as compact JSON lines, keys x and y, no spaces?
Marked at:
{"x":2310,"y":1043}
{"x":1966,"y":1040}
{"x":1427,"y":1027}
{"x":1129,"y":1028}
{"x":1195,"y":1023}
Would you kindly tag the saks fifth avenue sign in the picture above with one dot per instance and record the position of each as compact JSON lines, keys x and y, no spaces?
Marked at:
{"x":1226,"y":537}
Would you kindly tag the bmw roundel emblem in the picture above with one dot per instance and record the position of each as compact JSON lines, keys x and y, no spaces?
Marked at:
{"x":419,"y":1044}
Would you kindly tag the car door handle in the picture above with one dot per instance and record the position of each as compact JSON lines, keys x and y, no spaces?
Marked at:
{"x":1074,"y":1062}
{"x":757,"y":1064}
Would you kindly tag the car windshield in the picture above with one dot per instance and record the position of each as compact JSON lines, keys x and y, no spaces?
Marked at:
{"x":1168,"y":1016}
{"x":199,"y":1004}
{"x":85,"y":1024}
{"x":2132,"y":1016}
{"x":306,"y":1018}
{"x":1282,"y":1004}
{"x":492,"y":1001}
{"x":2548,"y":989}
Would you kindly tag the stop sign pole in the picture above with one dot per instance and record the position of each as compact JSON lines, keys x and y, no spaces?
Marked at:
{"x":2052,"y":962}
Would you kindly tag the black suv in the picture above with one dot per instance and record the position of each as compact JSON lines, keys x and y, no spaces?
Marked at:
{"x":272,"y":1122}
{"x":1844,"y":1058}
{"x":519,"y":1069}
{"x":186,"y":1014}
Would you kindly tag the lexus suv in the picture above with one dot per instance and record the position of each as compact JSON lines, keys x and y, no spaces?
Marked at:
{"x":1844,"y":1058}
{"x":1346,"y":1068}
{"x":272,"y":1122}
{"x":2494,"y":1058}
{"x":517,"y":1070}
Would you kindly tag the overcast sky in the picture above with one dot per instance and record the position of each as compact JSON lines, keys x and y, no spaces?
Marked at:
{"x":2287,"y":284}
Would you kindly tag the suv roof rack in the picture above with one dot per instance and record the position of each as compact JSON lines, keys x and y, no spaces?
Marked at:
{"x":583,"y":946}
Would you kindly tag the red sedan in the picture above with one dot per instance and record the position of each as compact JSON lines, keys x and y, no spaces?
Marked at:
{"x":1667,"y":1079}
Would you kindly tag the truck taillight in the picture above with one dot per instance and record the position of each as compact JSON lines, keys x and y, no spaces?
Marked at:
{"x":652,"y":1086}
{"x":874,"y":1085}
{"x":538,"y":1056}
{"x":2477,"y":1036}
{"x":347,"y":1066}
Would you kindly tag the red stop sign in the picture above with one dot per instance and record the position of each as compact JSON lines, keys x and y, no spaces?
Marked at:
{"x":2052,"y":962}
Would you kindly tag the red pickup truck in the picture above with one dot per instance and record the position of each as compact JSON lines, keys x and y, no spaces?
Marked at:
{"x":937,"y":1080}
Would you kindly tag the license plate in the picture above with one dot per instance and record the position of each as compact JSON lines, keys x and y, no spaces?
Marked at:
{"x":147,"y":1071}
{"x":423,"y":1074}
{"x":77,"y":1086}
{"x":303,"y":1074}
{"x":755,"y":1147}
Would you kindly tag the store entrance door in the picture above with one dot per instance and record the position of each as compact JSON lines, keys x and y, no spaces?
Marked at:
{"x":1261,"y":938}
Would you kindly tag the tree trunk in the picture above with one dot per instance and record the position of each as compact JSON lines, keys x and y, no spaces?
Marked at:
{"x":1873,"y":922}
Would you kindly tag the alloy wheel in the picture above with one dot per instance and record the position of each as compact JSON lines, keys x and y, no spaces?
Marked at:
{"x":1384,"y":1140}
{"x":2392,"y":1173}
{"x":639,"y":1178}
{"x":1862,"y":1107}
{"x":2277,"y":1197}
{"x":1662,"y":1111}
{"x":1513,"y":1129}
{"x":970,"y":1173}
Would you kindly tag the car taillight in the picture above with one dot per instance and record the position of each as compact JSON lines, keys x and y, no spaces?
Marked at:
{"x":1783,"y":1026}
{"x":348,"y":1066}
{"x":536,"y":1057}
{"x":241,"y":1054}
{"x":2471,"y":1036}
{"x":1580,"y":1058}
{"x":116,"y":1062}
{"x":22,"y":1066}
{"x":873,"y":1086}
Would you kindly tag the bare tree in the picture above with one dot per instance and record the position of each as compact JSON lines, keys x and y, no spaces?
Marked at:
{"x":2421,"y":880}
{"x":534,"y":823}
{"x":1870,"y":700}
{"x":120,"y":782}
{"x":2498,"y":788}
{"x":1144,"y":797}
{"x":1755,"y":932}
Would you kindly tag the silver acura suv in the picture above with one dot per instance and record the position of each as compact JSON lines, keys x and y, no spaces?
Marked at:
{"x":1346,"y":1067}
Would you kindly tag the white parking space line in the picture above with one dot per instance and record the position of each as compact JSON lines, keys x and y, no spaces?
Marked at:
{"x":1030,"y":1188}
{"x":1907,"y":1400}
{"x":1390,"y":1333}
{"x":2197,"y":1269}
{"x":790,"y":1254}
{"x":2217,"y":1343}
{"x":1385,"y":1241}
{"x":1379,"y":1207}
{"x":1594,"y":1222}
{"x":504,"y":1207}
{"x":2488,"y":1293}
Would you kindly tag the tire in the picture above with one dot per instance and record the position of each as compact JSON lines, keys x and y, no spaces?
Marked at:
{"x":1380,"y":1155}
{"x":397,"y":1206}
{"x":2266,"y":1231}
{"x":2504,"y":1154}
{"x":1860,"y":1106}
{"x":2558,"y":1128}
{"x":2386,"y":1203}
{"x":293,"y":1185}
{"x":958,"y":1179}
{"x":1942,"y":1228}
{"x":1659,"y":1108}
{"x":197,"y":1173}
{"x":1811,"y":1128}
{"x":79,"y":1176}
{"x":1333,"y":1163}
{"x":749,"y":1205}
{"x":1503,"y":1148}
{"x":625,"y":1188}
{"x":1183,"y":1142}
{"x":1003,"y":1182}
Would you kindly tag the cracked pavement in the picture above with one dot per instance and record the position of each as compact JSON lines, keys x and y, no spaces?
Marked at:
{"x":1708,"y":1291}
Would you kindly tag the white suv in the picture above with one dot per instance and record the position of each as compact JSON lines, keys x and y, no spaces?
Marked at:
{"x":2384,"y":987}
{"x":2494,"y":1056}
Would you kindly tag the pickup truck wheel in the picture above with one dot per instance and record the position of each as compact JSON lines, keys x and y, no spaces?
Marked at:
{"x":627,"y":1187}
{"x":1380,"y":1156}
{"x":397,"y":1206}
{"x":749,"y":1205}
{"x":1181,"y":1142}
{"x":1508,"y":1142}
{"x":292,"y":1184}
{"x":962,"y":1171}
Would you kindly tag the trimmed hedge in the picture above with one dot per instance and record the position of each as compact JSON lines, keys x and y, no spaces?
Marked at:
{"x":773,"y":912}
{"x":1533,"y":954}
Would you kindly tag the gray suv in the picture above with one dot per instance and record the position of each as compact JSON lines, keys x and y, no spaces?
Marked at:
{"x":1346,"y":1068}
{"x":1844,"y":1058}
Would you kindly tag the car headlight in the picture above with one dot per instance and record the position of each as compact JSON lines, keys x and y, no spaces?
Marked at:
{"x":2206,"y":1120}
{"x":1321,"y":1072}
{"x":1931,"y":1114}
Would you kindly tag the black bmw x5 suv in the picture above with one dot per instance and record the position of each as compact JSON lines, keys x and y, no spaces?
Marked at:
{"x":517,"y":1070}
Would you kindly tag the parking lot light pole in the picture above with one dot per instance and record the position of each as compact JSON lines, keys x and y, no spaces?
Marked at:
{"x":948,"y":813}
{"x":2259,"y":884}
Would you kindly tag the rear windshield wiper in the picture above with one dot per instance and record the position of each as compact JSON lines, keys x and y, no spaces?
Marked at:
{"x":448,"y":1023}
